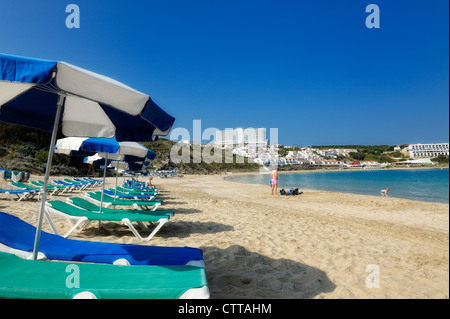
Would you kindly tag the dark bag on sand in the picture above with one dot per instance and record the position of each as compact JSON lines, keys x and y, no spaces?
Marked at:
{"x":282,"y":192}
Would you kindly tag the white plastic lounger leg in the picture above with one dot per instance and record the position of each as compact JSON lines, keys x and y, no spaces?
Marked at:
{"x":196,"y":293}
{"x":32,"y":194}
{"x":24,"y":196}
{"x":156,"y":206}
{"x":143,"y":226}
{"x":85,"y":295}
{"x":86,"y":225}
{"x":127,"y":222}
{"x":161,"y":224}
{"x":9,"y":196}
{"x":196,"y":263}
{"x":21,"y":253}
{"x":50,"y":221}
{"x":80,"y":220}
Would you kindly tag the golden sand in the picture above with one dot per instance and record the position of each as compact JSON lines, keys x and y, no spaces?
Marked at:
{"x":315,"y":245}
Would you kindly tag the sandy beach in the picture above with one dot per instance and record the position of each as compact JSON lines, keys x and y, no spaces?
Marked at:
{"x":320,"y":245}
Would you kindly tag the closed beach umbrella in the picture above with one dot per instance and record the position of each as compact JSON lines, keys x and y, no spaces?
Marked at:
{"x":49,"y":95}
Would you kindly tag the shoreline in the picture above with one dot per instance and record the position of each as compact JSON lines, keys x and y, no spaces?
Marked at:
{"x":337,"y":170}
{"x":229,"y":178}
{"x":378,"y":200}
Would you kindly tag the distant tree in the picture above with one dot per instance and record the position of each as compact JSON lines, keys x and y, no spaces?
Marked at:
{"x":396,"y":154}
{"x":357,"y":156}
{"x":385,"y":159}
{"x":441,"y":159}
{"x":282,"y":152}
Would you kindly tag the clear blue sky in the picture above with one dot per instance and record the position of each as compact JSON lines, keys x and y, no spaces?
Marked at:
{"x":312,"y":69}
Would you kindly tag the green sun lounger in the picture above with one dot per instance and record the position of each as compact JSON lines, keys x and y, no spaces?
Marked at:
{"x":134,"y":191}
{"x":22,"y":186}
{"x":19,"y":185}
{"x":85,"y":204}
{"x":79,"y":186}
{"x":51,"y":187}
{"x":36,"y":279}
{"x":109,"y":201}
{"x":83,"y":218}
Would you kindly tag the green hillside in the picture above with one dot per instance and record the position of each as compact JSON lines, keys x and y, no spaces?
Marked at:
{"x":25,"y":149}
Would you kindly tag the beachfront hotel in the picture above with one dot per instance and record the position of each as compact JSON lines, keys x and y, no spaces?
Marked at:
{"x":239,"y":137}
{"x":428,"y":150}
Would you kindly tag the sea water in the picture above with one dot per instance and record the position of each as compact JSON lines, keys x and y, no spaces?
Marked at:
{"x":431,"y":185}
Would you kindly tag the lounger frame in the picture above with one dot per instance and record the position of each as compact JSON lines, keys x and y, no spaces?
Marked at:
{"x":111,"y":205}
{"x":25,"y":194}
{"x":83,"y":222}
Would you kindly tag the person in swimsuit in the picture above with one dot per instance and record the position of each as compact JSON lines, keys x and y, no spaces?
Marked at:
{"x":274,"y":181}
{"x":384,"y":192}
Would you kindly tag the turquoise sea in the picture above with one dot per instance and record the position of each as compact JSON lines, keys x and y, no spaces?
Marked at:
{"x":431,"y":185}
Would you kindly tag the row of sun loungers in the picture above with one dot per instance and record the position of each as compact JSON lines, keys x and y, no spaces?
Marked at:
{"x":22,"y":191}
{"x":59,"y":187}
{"x":151,"y":272}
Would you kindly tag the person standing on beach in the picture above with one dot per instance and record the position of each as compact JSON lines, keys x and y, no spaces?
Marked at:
{"x":384,"y":192}
{"x":274,"y":181}
{"x":91,"y":169}
{"x":148,"y":183}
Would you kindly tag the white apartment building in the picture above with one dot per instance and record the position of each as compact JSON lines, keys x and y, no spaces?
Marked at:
{"x":239,"y":137}
{"x":328,"y":153}
{"x":428,"y":150}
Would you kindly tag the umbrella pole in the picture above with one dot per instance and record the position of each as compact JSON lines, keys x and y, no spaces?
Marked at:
{"x":103,"y":187}
{"x":37,"y":238}
{"x":117,"y":175}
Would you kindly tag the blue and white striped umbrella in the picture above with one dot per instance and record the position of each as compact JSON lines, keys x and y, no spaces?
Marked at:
{"x":105,"y":148}
{"x":95,"y":160}
{"x":92,"y":105}
{"x":49,"y":95}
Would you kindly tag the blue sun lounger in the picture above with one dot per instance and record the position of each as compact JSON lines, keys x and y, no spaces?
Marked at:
{"x":92,"y":180}
{"x":17,"y":237}
{"x":20,"y":194}
{"x":79,"y":186}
